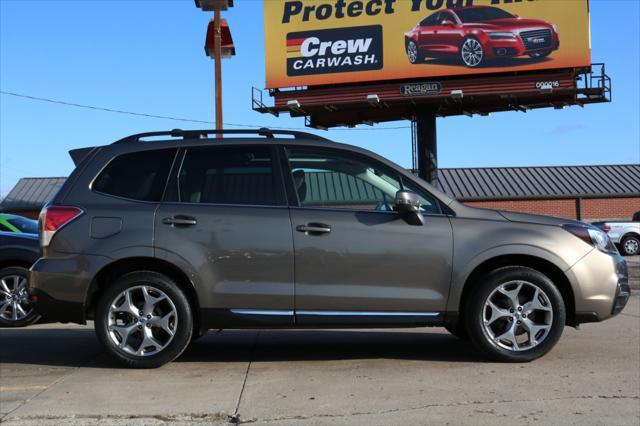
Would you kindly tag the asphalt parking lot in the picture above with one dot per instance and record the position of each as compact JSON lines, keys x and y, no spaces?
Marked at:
{"x":56,"y":373}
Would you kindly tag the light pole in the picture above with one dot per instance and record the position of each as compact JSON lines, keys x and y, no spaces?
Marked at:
{"x":218,"y":45}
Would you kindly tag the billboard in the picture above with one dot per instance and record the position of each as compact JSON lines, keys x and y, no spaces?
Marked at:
{"x":319,"y":42}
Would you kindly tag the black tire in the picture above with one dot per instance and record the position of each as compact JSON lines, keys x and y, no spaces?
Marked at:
{"x":7,"y":276}
{"x":540,"y":55}
{"x":417,"y":57}
{"x":458,"y":330}
{"x":630,"y":245}
{"x":475,"y":314}
{"x":472,"y":53}
{"x":183,"y":314}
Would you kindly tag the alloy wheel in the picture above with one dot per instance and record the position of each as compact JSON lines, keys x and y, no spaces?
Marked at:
{"x":472,"y":52}
{"x":412,"y":52}
{"x":517,"y":316}
{"x":142,"y":320}
{"x":14,"y":300}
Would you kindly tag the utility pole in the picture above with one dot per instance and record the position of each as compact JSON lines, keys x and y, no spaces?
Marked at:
{"x":217,"y":58}
{"x":218,"y":45}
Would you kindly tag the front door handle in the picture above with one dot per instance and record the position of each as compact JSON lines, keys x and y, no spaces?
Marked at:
{"x":180,"y":220}
{"x":314,"y":228}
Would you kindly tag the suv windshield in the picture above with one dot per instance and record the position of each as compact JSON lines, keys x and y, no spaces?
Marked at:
{"x":481,"y":14}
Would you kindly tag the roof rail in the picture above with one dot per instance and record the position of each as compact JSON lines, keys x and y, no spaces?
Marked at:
{"x":205,"y":134}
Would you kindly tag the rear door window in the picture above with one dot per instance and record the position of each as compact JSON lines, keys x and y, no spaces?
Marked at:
{"x":137,"y":176}
{"x":243,"y":175}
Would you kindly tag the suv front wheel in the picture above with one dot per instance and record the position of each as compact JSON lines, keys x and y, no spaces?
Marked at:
{"x":144,"y":320}
{"x":516,"y":314}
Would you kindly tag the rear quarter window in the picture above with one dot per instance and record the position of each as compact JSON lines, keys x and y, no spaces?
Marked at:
{"x":138,"y":176}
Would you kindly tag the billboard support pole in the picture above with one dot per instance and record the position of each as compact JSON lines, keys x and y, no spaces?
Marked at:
{"x":427,"y":144}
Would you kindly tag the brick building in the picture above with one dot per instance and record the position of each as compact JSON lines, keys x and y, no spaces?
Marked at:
{"x":581,"y":192}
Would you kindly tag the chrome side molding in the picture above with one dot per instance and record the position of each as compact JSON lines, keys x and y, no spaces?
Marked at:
{"x":334,"y":313}
{"x":368,"y":313}
{"x":260,"y":312}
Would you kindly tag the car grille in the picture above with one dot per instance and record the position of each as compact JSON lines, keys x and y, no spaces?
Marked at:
{"x":536,"y":39}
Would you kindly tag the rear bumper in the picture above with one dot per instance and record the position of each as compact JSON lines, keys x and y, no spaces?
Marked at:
{"x":59,"y":286}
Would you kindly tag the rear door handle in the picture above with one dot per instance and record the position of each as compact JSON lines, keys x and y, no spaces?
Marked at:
{"x":314,"y":228}
{"x":180,"y":220}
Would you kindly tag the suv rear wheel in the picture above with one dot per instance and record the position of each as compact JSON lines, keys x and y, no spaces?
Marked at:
{"x":144,"y":320}
{"x":516,"y":314}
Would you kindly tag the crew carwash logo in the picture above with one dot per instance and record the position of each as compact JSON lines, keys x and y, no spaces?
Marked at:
{"x":334,"y":50}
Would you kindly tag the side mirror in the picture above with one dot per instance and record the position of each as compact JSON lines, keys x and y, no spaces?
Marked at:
{"x":448,"y":23}
{"x":408,"y":205}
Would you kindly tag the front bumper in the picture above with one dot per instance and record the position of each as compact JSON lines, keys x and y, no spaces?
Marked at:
{"x":600,"y":284}
{"x":623,"y":291}
{"x":506,"y":48}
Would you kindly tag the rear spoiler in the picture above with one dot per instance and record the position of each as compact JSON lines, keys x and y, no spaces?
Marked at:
{"x":77,"y":155}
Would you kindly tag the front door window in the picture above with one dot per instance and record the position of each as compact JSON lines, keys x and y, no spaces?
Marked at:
{"x":325,"y":179}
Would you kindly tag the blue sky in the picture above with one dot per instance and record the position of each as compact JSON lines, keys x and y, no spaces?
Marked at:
{"x":148,"y":57}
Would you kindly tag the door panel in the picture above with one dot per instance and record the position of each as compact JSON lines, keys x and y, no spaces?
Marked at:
{"x":353,"y":252}
{"x":242,"y":256}
{"x":445,"y":38}
{"x":427,"y":38}
{"x":371,"y":261}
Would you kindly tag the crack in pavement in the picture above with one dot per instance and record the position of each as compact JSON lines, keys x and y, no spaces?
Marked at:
{"x":421,"y":407}
{"x":235,"y":417}
{"x":209,"y":417}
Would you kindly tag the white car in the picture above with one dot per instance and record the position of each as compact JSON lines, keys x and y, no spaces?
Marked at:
{"x":626,"y":235}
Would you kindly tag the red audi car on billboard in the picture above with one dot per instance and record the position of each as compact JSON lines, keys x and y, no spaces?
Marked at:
{"x":476,"y":34}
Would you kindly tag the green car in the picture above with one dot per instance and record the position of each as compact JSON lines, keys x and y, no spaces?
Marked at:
{"x":18,"y":224}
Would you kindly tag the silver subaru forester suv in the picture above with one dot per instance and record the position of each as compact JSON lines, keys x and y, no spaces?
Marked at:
{"x":162,"y":236}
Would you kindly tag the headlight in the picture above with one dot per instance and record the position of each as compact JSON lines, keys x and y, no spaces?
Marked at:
{"x":555,"y":29}
{"x":592,"y":236}
{"x":502,"y":36}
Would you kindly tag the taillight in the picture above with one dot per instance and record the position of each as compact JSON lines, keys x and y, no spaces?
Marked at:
{"x":52,"y":218}
{"x":606,"y":228}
